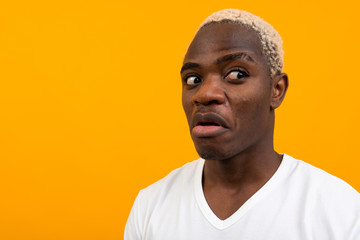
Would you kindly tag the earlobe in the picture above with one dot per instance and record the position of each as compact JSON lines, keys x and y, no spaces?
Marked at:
{"x":279,"y":88}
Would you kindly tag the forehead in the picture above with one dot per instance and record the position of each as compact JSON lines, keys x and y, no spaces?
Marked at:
{"x":224,"y":37}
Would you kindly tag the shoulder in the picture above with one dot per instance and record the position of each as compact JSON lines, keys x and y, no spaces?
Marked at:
{"x":325,"y":194}
{"x":329,"y":204}
{"x":320,"y":180}
{"x":161,"y":197}
{"x":175,"y":182}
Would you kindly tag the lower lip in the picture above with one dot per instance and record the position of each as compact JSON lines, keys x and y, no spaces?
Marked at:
{"x":207,"y":131}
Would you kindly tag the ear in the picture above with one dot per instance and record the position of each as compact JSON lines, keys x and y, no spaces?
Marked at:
{"x":279,"y":87}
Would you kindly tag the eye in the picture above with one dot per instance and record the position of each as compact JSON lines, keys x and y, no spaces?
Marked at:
{"x":192,"y":80}
{"x":236,"y":75}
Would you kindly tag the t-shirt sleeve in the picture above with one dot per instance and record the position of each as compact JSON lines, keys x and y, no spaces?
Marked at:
{"x":133,"y":224}
{"x":355,"y":230}
{"x":355,"y":234}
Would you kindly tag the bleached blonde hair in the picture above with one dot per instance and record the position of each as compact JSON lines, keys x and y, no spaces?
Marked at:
{"x":270,"y":39}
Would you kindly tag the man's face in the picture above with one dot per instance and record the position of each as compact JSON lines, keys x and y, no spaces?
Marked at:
{"x":226,"y":91}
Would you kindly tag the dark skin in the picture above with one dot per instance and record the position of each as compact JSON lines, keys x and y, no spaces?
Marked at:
{"x":229,"y":100}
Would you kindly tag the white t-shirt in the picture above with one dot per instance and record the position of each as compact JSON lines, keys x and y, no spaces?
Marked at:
{"x":299,"y":202}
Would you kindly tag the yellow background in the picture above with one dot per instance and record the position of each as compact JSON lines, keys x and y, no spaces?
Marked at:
{"x":90,"y":103}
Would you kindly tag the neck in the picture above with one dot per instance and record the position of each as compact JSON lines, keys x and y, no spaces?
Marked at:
{"x":241,"y":171}
{"x":252,"y":167}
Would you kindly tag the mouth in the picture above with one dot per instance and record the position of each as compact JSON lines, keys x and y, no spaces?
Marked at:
{"x":208,"y":125}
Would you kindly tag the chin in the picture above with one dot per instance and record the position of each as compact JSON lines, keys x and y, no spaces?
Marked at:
{"x":213,"y":154}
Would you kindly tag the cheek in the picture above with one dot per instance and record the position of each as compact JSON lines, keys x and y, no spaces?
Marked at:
{"x":187,"y":106}
{"x":251,"y":109}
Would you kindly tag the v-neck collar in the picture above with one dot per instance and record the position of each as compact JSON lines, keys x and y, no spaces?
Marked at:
{"x":210,"y":215}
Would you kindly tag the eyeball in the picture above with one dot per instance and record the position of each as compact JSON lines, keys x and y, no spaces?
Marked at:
{"x":236,"y":75}
{"x":193,"y":80}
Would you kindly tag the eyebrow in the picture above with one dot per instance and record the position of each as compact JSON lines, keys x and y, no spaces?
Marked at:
{"x":226,"y":58}
{"x":189,"y":65}
{"x":233,"y":56}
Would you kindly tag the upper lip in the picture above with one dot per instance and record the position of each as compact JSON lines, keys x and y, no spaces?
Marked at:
{"x":209,"y":117}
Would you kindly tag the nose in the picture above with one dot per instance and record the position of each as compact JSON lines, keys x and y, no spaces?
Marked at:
{"x":209,"y":92}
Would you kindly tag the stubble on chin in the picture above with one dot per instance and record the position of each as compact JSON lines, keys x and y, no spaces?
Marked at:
{"x":212,"y":154}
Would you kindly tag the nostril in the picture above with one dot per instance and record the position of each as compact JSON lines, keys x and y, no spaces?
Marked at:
{"x":213,"y":102}
{"x":206,"y":102}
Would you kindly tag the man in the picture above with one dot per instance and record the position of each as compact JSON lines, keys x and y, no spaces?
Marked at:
{"x":240,"y":188}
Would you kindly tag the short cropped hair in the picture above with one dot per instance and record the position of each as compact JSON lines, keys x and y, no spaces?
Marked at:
{"x":270,"y":39}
